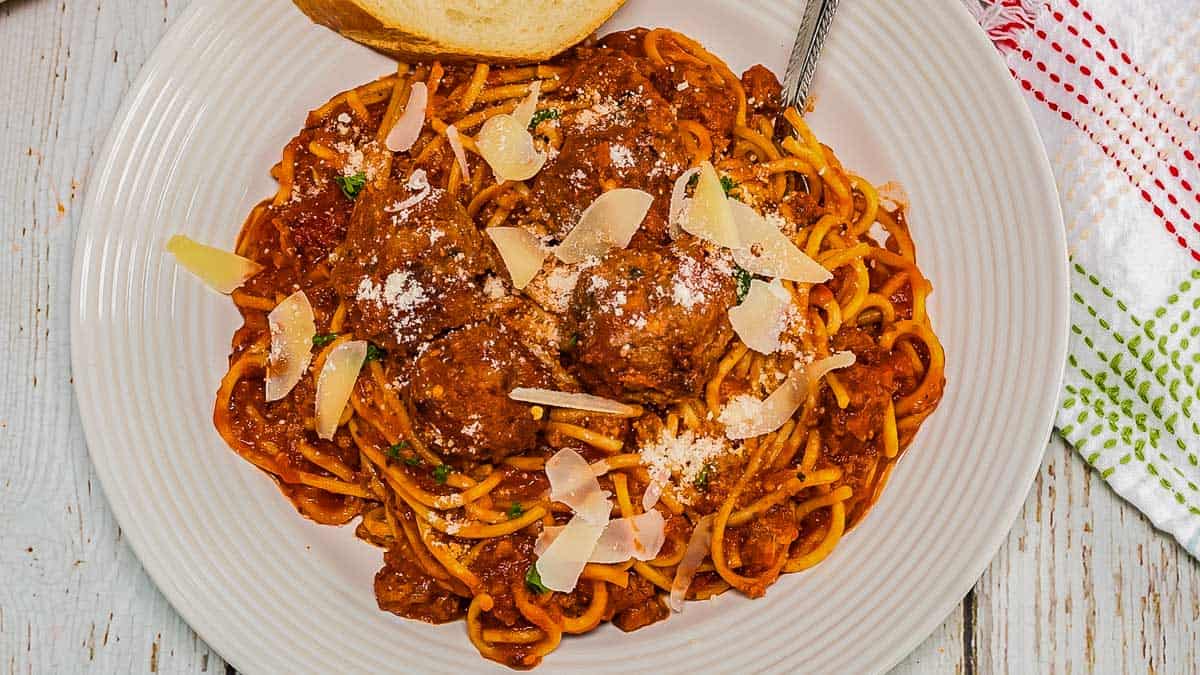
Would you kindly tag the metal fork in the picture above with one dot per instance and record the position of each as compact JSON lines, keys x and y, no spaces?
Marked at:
{"x":818,"y":14}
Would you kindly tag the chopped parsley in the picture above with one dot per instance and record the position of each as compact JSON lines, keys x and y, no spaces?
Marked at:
{"x":393,"y":450}
{"x":571,"y":342}
{"x":351,"y":185}
{"x":541,"y":116}
{"x":515,"y":511}
{"x":322,"y":340}
{"x":412,"y":460}
{"x":703,"y":477}
{"x":440,"y":473}
{"x":728,"y":184}
{"x":374,"y":353}
{"x":534,"y":580}
{"x":693,"y":180}
{"x":743,"y":283}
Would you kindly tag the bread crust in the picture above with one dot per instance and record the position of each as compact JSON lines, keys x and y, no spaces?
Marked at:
{"x":356,"y":22}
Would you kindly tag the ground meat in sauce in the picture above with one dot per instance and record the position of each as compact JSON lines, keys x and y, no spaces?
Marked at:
{"x":411,"y":265}
{"x":870,"y":383}
{"x":650,"y":325}
{"x":460,"y":386}
{"x":403,"y":588}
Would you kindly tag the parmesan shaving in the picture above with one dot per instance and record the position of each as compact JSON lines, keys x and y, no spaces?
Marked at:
{"x":709,"y":214}
{"x":563,"y":399}
{"x":562,"y":561}
{"x":223,"y":271}
{"x":640,"y":537}
{"x":408,"y":128}
{"x":697,"y":551}
{"x":507,"y":147}
{"x":521,"y":251}
{"x":767,"y":251}
{"x":335,"y":384}
{"x":528,"y":106}
{"x":609,"y":222}
{"x":658,"y":479}
{"x":460,"y":155}
{"x":746,"y":417}
{"x":573,"y":483}
{"x":292,"y":329}
{"x":762,"y":316}
{"x":679,"y":200}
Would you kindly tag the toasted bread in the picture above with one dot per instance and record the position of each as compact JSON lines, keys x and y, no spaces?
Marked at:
{"x":491,"y":30}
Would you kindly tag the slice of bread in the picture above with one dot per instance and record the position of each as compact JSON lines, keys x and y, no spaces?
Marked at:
{"x":491,"y":30}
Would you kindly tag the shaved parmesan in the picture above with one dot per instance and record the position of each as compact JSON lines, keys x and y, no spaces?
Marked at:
{"x":561,"y":563}
{"x":697,"y":550}
{"x":709,"y":214}
{"x":292,"y":329}
{"x":336,"y":382}
{"x":762,"y":316}
{"x":658,"y":479}
{"x":223,"y":271}
{"x":460,"y":155}
{"x":528,"y":106}
{"x":563,"y":399}
{"x":746,"y":417}
{"x":521,"y":251}
{"x":679,"y":200}
{"x":609,"y":222}
{"x":639,"y":538}
{"x":408,"y":128}
{"x":507,"y":146}
{"x":767,"y":251}
{"x":573,"y":483}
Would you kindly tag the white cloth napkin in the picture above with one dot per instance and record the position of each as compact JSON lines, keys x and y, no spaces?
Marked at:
{"x":1115,"y":88}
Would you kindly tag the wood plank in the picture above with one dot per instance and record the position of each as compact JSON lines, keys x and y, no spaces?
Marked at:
{"x":74,"y":597}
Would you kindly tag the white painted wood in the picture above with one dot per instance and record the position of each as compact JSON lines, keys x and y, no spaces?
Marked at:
{"x":1082,"y":584}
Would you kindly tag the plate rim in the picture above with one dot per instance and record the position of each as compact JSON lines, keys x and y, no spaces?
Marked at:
{"x":970,"y":572}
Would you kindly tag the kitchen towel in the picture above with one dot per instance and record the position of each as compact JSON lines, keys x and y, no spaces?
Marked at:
{"x":1114,"y":86}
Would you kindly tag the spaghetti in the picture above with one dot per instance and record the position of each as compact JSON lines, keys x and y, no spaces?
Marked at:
{"x":451,"y":483}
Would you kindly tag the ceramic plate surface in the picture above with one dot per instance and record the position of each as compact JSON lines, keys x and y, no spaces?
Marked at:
{"x":907,"y":90}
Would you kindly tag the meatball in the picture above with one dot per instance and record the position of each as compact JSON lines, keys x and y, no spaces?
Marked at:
{"x":411,"y":265}
{"x":460,"y":385}
{"x":627,"y":137}
{"x":650,"y":325}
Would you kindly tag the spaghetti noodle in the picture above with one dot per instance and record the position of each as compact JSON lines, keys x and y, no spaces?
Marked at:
{"x":452,"y":483}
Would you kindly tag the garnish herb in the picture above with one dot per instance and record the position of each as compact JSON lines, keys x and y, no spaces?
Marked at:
{"x":693,"y":180}
{"x":636,"y":273}
{"x":743,"y":283}
{"x":440,"y":473}
{"x":374,"y":353}
{"x":728,"y":184}
{"x":412,"y":460}
{"x":515,"y":511}
{"x":322,"y":340}
{"x":351,"y":185}
{"x":541,"y":116}
{"x":534,"y":580}
{"x":702,"y":478}
{"x":571,"y":342}
{"x":393,"y":451}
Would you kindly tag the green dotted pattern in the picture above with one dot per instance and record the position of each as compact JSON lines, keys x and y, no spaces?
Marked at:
{"x":1131,"y":404}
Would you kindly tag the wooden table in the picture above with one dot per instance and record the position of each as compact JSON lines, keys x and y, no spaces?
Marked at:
{"x":1082,"y":584}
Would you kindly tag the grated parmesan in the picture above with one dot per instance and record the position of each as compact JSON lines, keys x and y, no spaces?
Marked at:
{"x":684,"y":456}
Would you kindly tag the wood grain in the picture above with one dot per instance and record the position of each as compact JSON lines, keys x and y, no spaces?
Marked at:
{"x":1083,"y":583}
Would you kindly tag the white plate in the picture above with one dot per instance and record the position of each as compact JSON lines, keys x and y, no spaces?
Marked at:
{"x":908,"y":90}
